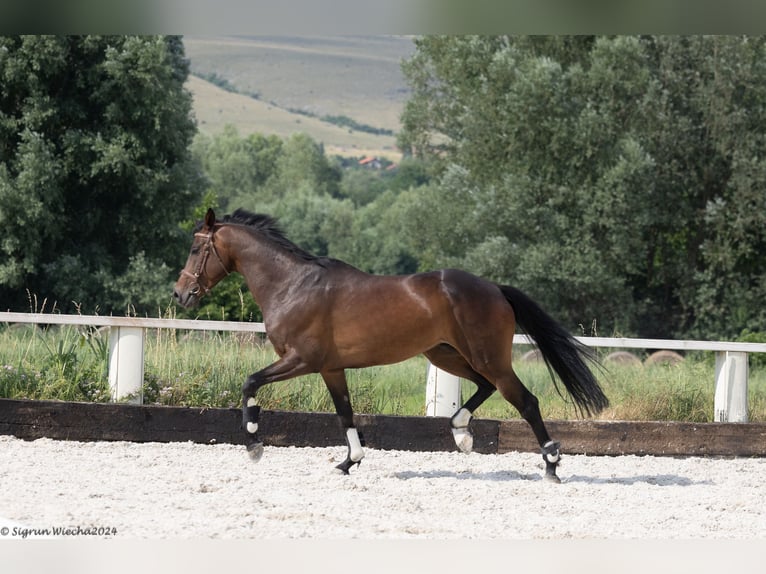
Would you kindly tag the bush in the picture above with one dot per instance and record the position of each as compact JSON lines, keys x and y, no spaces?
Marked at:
{"x":757,"y":360}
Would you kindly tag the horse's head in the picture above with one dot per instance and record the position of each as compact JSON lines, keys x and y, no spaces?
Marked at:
{"x":201,"y":272}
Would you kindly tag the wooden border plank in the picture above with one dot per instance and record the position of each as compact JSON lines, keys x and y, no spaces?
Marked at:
{"x":146,"y":423}
{"x":100,"y":421}
{"x":641,"y":438}
{"x":422,"y":434}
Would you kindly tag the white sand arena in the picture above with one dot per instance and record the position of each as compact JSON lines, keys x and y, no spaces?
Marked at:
{"x":184,"y":490}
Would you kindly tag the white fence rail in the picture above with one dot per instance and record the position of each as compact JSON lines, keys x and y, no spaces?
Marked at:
{"x":731,"y":372}
{"x":126,"y":358}
{"x":731,"y":368}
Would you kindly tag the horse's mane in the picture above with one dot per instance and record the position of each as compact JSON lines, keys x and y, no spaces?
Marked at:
{"x":268,"y":228}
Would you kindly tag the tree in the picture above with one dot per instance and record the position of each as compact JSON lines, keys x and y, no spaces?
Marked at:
{"x":353,"y":214}
{"x":617,"y":179}
{"x":239,"y":170}
{"x":303,"y":163}
{"x":95,"y":172}
{"x":289,"y":179}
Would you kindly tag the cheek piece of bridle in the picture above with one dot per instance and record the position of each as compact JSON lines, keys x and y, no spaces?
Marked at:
{"x":207,"y":248}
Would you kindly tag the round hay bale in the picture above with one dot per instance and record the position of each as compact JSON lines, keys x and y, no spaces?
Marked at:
{"x":532,"y":356}
{"x":666,"y":358}
{"x":623,"y":358}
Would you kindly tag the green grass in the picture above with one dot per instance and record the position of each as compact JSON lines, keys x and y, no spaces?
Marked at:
{"x":668,"y":393}
{"x":63,"y":364}
{"x":207,"y":369}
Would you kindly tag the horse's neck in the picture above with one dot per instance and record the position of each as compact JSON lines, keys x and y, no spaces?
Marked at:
{"x":269,"y":270}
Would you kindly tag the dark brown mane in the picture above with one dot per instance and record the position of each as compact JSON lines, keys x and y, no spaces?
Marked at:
{"x":268,"y":228}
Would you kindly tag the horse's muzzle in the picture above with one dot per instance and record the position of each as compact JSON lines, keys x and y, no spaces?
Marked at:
{"x":188,"y":299}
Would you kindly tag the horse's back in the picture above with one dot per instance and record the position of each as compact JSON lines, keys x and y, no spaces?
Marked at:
{"x":460,"y":284}
{"x":387,"y":318}
{"x":431,"y":295}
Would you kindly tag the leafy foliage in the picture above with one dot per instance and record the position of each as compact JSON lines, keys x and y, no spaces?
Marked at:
{"x":616,"y":179}
{"x":95,"y":172}
{"x":350,"y":213}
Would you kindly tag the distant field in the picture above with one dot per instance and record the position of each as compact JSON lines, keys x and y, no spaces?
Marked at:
{"x":214,"y":108}
{"x":357,"y":77}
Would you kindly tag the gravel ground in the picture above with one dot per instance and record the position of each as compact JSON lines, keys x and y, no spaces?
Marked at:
{"x":185,"y":490}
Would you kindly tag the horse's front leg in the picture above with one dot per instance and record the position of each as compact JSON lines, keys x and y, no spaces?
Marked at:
{"x":338,"y":387}
{"x":289,"y":366}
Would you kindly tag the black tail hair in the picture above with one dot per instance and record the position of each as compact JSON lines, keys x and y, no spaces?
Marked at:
{"x":562,"y":353}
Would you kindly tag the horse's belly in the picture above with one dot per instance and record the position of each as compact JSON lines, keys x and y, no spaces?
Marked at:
{"x":368,"y":345}
{"x":390,"y":320}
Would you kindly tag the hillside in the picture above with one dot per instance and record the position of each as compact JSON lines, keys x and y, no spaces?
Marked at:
{"x":287,"y":84}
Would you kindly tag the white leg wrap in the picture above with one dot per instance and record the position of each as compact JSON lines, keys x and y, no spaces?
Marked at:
{"x":355,"y":450}
{"x":252,"y":427}
{"x":461,"y":418}
{"x":461,"y":434}
{"x":552,"y":457}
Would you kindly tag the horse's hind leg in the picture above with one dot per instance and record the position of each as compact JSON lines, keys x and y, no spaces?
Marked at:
{"x":338,"y":387}
{"x":514,"y":391}
{"x":448,"y":359}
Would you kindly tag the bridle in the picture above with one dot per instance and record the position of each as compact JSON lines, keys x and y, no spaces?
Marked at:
{"x":207,"y":247}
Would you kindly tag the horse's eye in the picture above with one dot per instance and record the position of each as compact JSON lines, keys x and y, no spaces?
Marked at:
{"x":195,"y":250}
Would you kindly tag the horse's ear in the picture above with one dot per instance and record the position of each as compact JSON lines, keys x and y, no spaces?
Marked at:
{"x":210,"y":219}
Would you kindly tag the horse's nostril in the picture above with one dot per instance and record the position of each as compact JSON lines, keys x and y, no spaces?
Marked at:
{"x":176,"y":295}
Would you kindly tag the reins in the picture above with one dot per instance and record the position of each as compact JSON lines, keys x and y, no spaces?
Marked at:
{"x":206,"y":249}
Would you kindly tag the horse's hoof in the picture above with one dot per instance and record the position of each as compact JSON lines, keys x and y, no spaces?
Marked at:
{"x":255,"y":451}
{"x":345,"y":466}
{"x":463,"y":439}
{"x":552,"y":478}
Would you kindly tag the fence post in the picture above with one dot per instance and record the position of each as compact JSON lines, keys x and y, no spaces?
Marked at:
{"x":442,"y":393}
{"x":126,"y":363}
{"x":730,"y":387}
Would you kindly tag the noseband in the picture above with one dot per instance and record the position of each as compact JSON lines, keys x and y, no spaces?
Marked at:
{"x":207,"y":247}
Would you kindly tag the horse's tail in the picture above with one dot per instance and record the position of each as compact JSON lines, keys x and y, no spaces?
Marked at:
{"x":561,"y":351}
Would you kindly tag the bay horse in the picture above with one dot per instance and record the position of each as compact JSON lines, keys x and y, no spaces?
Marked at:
{"x":324,"y":316}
